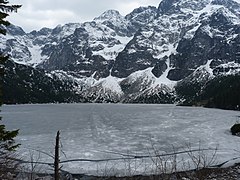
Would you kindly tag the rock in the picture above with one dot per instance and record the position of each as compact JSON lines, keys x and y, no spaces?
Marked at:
{"x":235,"y":129}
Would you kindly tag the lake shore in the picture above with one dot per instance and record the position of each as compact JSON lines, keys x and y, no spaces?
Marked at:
{"x":230,"y":173}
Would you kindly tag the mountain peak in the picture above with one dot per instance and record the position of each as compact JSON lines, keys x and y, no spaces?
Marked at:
{"x":15,"y":30}
{"x":109,"y":14}
{"x":136,"y":13}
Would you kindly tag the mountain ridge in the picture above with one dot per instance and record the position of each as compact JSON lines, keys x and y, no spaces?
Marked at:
{"x":141,"y":57}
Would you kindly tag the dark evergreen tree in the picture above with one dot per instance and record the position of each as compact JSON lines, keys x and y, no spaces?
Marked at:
{"x":222,"y":92}
{"x":7,"y":143}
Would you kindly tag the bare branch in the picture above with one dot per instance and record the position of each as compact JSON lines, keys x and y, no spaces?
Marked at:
{"x":134,"y":156}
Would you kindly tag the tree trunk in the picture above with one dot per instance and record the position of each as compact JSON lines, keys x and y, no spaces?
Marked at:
{"x":56,"y":162}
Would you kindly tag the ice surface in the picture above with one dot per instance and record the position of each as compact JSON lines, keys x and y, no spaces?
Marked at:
{"x":91,"y":131}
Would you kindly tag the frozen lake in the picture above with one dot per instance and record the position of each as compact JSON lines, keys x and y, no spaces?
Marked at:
{"x":101,"y":131}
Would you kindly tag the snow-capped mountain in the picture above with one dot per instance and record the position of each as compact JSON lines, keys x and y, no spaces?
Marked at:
{"x":145,"y":56}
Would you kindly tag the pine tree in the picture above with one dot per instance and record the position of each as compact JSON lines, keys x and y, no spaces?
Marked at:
{"x":7,"y":143}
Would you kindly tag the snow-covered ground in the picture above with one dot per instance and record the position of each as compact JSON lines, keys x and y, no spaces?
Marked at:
{"x":102,"y":131}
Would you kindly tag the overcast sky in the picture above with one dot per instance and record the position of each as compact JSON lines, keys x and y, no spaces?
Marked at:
{"x":35,"y":14}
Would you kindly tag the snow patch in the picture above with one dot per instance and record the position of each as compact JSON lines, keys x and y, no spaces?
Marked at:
{"x":110,"y":53}
{"x":36,"y":57}
{"x":163,"y":79}
{"x":110,"y":83}
{"x":146,"y":74}
{"x":230,"y":67}
{"x":208,"y":30}
{"x":208,"y":68}
{"x":171,"y":49}
{"x":166,"y":50}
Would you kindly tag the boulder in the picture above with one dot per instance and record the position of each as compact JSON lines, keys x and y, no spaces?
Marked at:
{"x":235,"y":129}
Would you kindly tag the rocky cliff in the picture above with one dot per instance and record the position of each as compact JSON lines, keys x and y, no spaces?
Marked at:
{"x":162,"y":54}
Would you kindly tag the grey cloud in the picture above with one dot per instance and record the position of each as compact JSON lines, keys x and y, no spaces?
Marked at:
{"x":35,"y":14}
